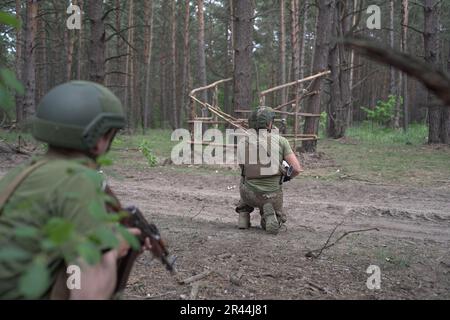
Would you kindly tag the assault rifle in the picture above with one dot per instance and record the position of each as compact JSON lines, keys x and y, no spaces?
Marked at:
{"x":159,"y":250}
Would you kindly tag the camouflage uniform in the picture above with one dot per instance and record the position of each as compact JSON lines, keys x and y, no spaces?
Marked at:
{"x":71,"y":117}
{"x":264,"y":193}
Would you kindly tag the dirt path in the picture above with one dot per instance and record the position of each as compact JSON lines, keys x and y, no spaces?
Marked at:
{"x":196,"y":213}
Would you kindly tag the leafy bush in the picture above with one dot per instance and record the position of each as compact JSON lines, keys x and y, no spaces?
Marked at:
{"x":384,"y":111}
{"x":144,"y":148}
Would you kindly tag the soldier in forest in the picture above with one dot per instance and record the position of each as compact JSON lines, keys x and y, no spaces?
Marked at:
{"x":264,"y":191}
{"x":62,"y":195}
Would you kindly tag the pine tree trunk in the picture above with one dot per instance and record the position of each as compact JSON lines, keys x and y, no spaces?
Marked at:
{"x":80,"y":46}
{"x":173,"y":64}
{"x":303,"y":40}
{"x":96,"y":50}
{"x":243,"y":42}
{"x":405,"y":11}
{"x":201,"y":51}
{"x":283,"y":52}
{"x":321,"y":52}
{"x":431,"y":44}
{"x":19,"y":63}
{"x":128,"y":69}
{"x":148,"y":63}
{"x":392,"y":84}
{"x":29,"y":105}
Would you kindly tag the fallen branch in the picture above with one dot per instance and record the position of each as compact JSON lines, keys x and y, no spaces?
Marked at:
{"x":311,"y":254}
{"x":196,"y":277}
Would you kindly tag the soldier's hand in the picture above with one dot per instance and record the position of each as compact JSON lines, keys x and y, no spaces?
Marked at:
{"x":99,"y":281}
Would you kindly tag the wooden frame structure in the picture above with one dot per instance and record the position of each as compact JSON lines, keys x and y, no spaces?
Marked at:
{"x":292,"y":108}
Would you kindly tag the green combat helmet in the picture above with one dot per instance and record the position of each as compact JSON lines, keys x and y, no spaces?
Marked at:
{"x":75,"y":115}
{"x":261,"y":118}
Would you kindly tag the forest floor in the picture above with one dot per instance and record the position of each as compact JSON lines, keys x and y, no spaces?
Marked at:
{"x":407,"y":198}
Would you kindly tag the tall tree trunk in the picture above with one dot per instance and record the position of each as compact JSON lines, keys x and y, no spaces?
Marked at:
{"x":173,"y":64}
{"x":321,"y":52}
{"x":148,"y":63}
{"x":405,"y":11}
{"x":80,"y":46}
{"x":19,"y":63}
{"x":352,"y":67}
{"x":431,"y":44}
{"x":243,"y":42}
{"x":29,"y":104}
{"x":303,"y":39}
{"x":201,"y":51}
{"x":186,"y":60}
{"x":392,"y":84}
{"x":283,"y":51}
{"x":445,"y":123}
{"x":228,"y":61}
{"x":295,"y":31}
{"x":69,"y":53}
{"x":96,"y":50}
{"x":128,"y":68}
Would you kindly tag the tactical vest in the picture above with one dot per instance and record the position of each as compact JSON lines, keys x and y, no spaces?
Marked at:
{"x":254,"y":170}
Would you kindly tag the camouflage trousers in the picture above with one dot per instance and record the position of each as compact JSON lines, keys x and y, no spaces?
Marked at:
{"x":251,"y":200}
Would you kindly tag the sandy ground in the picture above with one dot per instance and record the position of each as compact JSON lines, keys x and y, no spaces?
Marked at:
{"x":195,"y":213}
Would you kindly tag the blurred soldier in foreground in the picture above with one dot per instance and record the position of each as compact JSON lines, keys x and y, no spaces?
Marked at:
{"x":62,"y":196}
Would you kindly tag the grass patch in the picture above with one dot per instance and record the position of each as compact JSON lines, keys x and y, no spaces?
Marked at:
{"x":390,"y":156}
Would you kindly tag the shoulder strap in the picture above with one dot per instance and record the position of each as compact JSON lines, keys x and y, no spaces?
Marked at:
{"x":4,"y":197}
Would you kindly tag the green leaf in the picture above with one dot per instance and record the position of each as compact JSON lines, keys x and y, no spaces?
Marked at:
{"x":26,"y":232}
{"x":89,"y":252}
{"x":11,"y":253}
{"x":130,"y":238}
{"x":35,"y":281}
{"x":10,"y":80}
{"x":107,"y":238}
{"x":59,"y":230}
{"x":98,"y":211}
{"x":8,"y":19}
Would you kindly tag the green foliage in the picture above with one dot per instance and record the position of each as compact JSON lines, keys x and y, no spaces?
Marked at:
{"x":417,"y":135}
{"x":384,"y":111}
{"x":9,"y":85}
{"x":60,"y":237}
{"x":144,"y":148}
{"x":9,"y":20}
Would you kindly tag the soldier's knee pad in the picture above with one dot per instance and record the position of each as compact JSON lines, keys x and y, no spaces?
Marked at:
{"x":244,"y":208}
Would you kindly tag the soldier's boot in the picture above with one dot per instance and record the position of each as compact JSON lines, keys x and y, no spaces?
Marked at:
{"x":244,"y":211}
{"x":269,"y":220}
{"x":244,"y":220}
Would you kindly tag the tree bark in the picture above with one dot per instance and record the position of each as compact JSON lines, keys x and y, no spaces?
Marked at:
{"x":201,"y":50}
{"x":404,"y":83}
{"x":29,"y":104}
{"x":173,"y":64}
{"x":148,"y":63}
{"x":96,"y":50}
{"x":321,"y":53}
{"x":128,"y":99}
{"x":392,"y":78}
{"x":283,"y":52}
{"x":19,"y":62}
{"x":243,"y":42}
{"x":431,"y":45}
